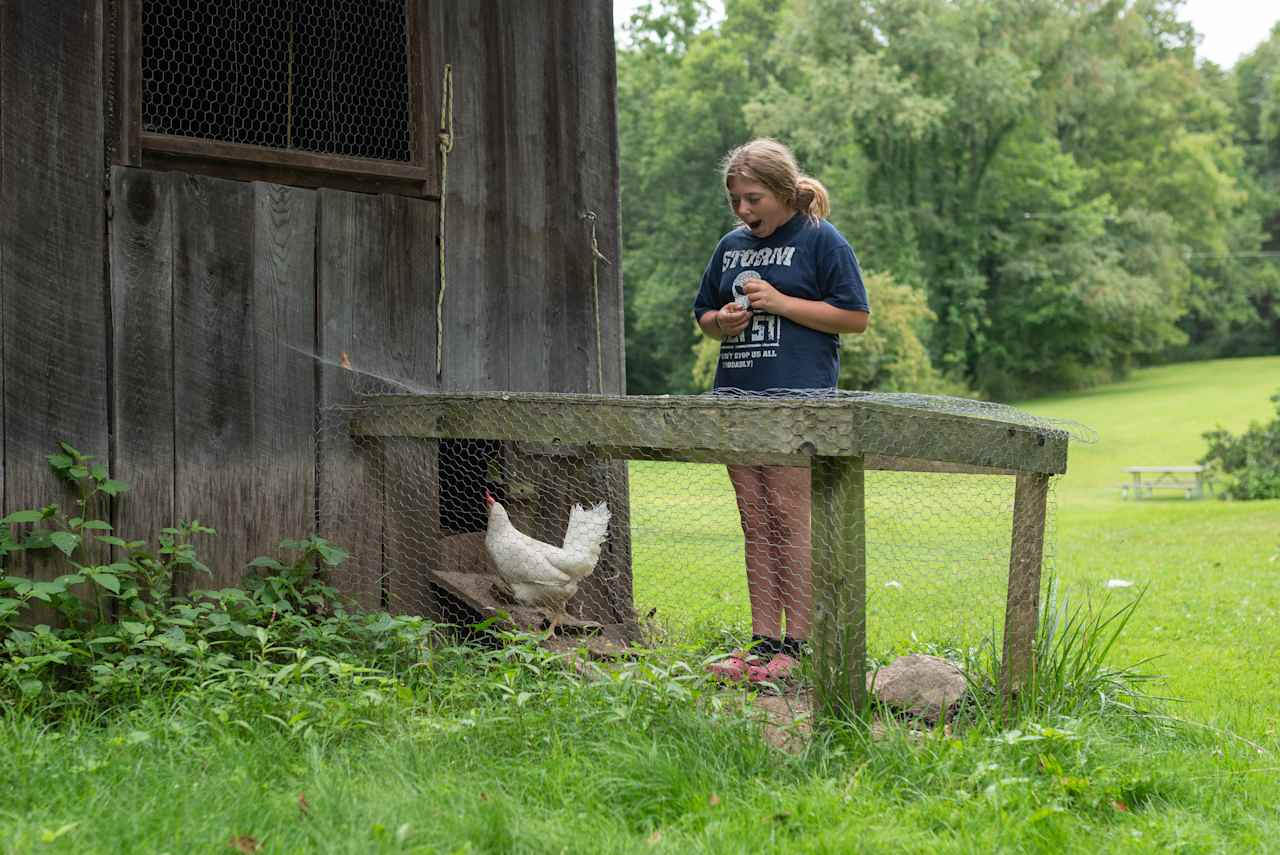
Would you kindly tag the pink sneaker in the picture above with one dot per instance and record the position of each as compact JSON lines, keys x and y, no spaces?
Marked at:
{"x":780,"y":668}
{"x":731,"y":669}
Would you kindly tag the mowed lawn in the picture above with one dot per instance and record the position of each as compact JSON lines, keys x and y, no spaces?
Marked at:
{"x":938,"y":545}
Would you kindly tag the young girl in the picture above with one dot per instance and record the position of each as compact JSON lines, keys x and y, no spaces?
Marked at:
{"x":778,"y":292}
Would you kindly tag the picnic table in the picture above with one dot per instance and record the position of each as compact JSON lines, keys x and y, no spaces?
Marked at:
{"x":1190,"y":480}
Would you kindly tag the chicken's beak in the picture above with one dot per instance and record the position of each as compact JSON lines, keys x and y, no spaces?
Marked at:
{"x":489,"y":500}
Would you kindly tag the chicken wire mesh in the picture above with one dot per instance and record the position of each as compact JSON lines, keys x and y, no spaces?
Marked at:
{"x":594,"y":516}
{"x":325,"y":76}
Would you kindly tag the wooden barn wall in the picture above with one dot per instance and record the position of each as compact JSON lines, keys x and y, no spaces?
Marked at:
{"x":213,"y":295}
{"x":52,"y":299}
{"x":223,"y":292}
{"x":535,"y":151}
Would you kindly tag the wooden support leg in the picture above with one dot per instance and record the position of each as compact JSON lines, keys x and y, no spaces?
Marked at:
{"x":839,"y":585}
{"x":1022,"y":607}
{"x":412,"y":543}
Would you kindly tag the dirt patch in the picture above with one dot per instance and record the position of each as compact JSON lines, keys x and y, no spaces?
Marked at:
{"x":786,"y":719}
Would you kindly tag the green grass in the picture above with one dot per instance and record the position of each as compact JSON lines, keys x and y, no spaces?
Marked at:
{"x":1156,"y":417}
{"x":938,"y":546}
{"x":1211,"y":616}
{"x":507,"y":752}
{"x":642,"y":765}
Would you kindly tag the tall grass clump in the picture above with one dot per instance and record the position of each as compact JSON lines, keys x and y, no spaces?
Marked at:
{"x":1071,"y":674}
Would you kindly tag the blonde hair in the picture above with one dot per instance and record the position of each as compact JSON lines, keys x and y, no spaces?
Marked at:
{"x":772,"y":164}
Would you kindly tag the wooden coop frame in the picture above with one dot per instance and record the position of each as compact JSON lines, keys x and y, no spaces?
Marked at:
{"x":837,"y":438}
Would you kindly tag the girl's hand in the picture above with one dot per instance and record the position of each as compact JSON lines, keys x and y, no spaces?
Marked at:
{"x":732,"y":319}
{"x":765,"y":298}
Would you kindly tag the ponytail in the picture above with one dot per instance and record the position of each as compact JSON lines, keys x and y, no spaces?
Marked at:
{"x":812,"y":199}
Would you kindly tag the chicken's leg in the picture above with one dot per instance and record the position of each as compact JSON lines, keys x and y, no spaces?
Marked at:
{"x":555,"y":624}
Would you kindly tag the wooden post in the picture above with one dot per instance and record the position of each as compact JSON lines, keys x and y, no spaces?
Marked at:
{"x":839,"y":585}
{"x":1022,"y":607}
{"x":411,"y":543}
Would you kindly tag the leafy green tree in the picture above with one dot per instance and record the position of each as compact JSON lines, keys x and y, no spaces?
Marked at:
{"x":892,"y":355}
{"x":1250,"y":463}
{"x":1243,"y":318}
{"x":1069,"y":190}
{"x":682,"y":86}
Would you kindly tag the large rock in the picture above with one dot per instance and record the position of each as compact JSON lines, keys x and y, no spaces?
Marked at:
{"x":919,"y":685}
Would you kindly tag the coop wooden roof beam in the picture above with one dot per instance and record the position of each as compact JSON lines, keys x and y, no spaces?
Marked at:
{"x":707,"y":429}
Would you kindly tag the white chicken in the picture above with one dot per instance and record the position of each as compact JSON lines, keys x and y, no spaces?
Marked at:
{"x":538,"y":573}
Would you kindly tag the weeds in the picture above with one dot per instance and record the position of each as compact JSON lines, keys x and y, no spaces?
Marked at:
{"x":122,"y":635}
{"x":1070,"y":675}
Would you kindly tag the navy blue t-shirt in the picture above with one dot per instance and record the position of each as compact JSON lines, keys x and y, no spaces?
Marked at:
{"x":801,"y":259}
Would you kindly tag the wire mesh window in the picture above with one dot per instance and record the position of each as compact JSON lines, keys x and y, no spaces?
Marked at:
{"x":321,"y":76}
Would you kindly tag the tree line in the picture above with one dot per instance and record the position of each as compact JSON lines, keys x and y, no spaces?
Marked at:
{"x":1043,"y":194}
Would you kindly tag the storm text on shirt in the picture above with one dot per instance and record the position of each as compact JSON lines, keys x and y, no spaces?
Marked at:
{"x":757,"y":257}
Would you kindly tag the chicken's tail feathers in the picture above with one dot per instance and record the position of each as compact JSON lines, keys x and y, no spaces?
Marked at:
{"x":587,"y":530}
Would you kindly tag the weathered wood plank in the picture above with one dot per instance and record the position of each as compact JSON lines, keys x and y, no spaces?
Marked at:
{"x":243,"y":294}
{"x":218,"y":151}
{"x":376,"y":290}
{"x":706,"y":424}
{"x":567,"y":296}
{"x":52,"y":303}
{"x":127,"y":121}
{"x":270,"y":173}
{"x":6,"y":225}
{"x":142,"y":319}
{"x":413,"y":541}
{"x":871,"y":461}
{"x":839,"y":585}
{"x":597,"y":179}
{"x":528,"y":133}
{"x":890,"y":463}
{"x":213,"y":368}
{"x":527,"y":49}
{"x":284,"y":453}
{"x":352,"y":254}
{"x":1022,"y":607}
{"x":480,"y":195}
{"x":403,"y":324}
{"x":521,"y":304}
{"x":423,"y":94}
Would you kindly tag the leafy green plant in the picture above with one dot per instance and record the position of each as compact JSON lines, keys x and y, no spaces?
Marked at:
{"x":72,"y":534}
{"x":124,"y":635}
{"x":285,"y":587}
{"x":1249,"y":464}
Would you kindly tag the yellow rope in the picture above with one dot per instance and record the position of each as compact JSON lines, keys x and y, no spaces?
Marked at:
{"x":595,"y":298}
{"x":445,"y":140}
